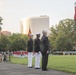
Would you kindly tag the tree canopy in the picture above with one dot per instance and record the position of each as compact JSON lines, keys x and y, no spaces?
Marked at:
{"x":1,"y":24}
{"x":14,"y":42}
{"x":61,"y":36}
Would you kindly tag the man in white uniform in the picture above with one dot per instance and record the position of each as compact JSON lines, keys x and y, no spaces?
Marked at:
{"x":37,"y":51}
{"x":30,"y":50}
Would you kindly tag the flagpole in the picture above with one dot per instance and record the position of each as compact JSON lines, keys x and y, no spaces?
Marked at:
{"x":29,"y":32}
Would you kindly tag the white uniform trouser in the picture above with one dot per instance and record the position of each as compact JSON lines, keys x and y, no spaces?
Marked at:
{"x":30,"y":56}
{"x":37,"y":60}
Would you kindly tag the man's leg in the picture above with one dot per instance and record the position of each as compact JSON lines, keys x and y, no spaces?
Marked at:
{"x":39,"y":56}
{"x":31,"y":57}
{"x":46,"y":60}
{"x":36,"y":60}
{"x":43,"y":61}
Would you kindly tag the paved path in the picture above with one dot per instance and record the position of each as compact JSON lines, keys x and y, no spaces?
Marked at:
{"x":17,"y":69}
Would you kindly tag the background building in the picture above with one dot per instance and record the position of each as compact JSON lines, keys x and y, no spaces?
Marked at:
{"x":7,"y":33}
{"x":35,"y":24}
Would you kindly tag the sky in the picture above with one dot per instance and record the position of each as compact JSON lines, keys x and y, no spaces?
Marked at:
{"x":12,"y":11}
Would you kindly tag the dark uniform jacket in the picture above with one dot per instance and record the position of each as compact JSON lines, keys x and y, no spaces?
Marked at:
{"x":30,"y":45}
{"x":37,"y":43}
{"x":44,"y":44}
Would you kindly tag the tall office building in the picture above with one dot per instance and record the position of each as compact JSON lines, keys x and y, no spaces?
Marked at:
{"x":36,"y":25}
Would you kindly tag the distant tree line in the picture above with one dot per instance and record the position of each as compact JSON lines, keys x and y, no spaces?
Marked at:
{"x":62,"y":37}
{"x":14,"y":42}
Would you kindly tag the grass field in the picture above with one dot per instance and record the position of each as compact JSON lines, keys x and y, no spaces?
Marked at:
{"x":65,"y":63}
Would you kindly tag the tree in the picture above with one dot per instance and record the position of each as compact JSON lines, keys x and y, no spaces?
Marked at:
{"x":18,"y":42}
{"x":1,"y":21}
{"x":63,"y":43}
{"x":61,"y":36}
{"x":4,"y":43}
{"x":1,"y":24}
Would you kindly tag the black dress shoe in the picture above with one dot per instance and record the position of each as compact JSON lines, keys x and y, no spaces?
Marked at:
{"x":45,"y":70}
{"x":37,"y":68}
{"x":30,"y":67}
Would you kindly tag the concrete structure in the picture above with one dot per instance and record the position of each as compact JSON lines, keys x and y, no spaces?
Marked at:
{"x":36,"y":24}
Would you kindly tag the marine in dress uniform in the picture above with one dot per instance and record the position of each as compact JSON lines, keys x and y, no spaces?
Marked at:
{"x":37,"y":43}
{"x":30,"y":50}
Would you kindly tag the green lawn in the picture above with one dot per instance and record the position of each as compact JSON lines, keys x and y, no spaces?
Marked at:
{"x":63,"y":62}
{"x":57,"y":62}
